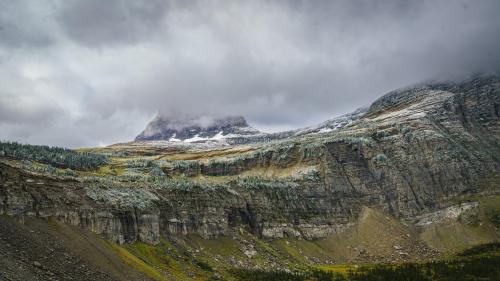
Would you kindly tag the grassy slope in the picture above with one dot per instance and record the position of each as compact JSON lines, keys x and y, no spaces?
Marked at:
{"x":454,"y":236}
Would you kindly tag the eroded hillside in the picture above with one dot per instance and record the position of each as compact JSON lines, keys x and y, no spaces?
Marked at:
{"x":392,"y":184}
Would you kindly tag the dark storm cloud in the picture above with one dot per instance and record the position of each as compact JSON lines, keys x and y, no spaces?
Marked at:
{"x":95,"y":72}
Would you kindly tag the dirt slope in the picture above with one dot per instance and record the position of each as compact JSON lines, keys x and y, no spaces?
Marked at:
{"x":41,"y":250}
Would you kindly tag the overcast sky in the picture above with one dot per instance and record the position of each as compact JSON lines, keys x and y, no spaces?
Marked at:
{"x":94,"y":72}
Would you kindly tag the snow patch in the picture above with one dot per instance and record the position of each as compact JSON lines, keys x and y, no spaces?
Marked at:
{"x":325,"y":130}
{"x":196,"y":138}
{"x":173,"y":139}
{"x":218,"y":136}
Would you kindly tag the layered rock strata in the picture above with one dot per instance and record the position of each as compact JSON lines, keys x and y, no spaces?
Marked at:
{"x":410,"y":154}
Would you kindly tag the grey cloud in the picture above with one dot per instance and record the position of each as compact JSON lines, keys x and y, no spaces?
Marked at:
{"x":108,"y":66}
{"x":98,"y":23}
{"x":21,"y":105}
{"x":23,"y":24}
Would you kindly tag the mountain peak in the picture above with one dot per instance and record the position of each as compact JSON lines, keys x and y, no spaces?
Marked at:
{"x":195,"y":128}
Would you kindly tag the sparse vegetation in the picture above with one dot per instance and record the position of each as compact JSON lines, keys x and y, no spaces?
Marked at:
{"x":494,"y":217}
{"x":261,"y":183}
{"x":381,"y":158}
{"x":312,"y":175}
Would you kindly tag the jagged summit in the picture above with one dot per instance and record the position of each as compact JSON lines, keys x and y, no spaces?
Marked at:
{"x":195,"y":129}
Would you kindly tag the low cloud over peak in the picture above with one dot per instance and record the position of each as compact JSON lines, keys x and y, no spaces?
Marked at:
{"x":81,"y":73}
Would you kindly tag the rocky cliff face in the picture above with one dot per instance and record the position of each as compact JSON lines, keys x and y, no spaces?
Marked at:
{"x":409,"y":154}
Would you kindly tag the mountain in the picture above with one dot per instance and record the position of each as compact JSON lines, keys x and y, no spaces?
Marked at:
{"x":196,"y":129}
{"x":330,"y":125}
{"x":411,"y":178}
{"x":230,"y":130}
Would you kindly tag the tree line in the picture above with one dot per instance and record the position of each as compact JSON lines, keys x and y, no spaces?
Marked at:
{"x":55,"y":156}
{"x":478,"y":263}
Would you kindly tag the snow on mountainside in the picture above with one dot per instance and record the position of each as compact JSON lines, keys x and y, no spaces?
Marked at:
{"x":227,"y":130}
{"x":332,"y":124}
{"x":196,"y":129}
